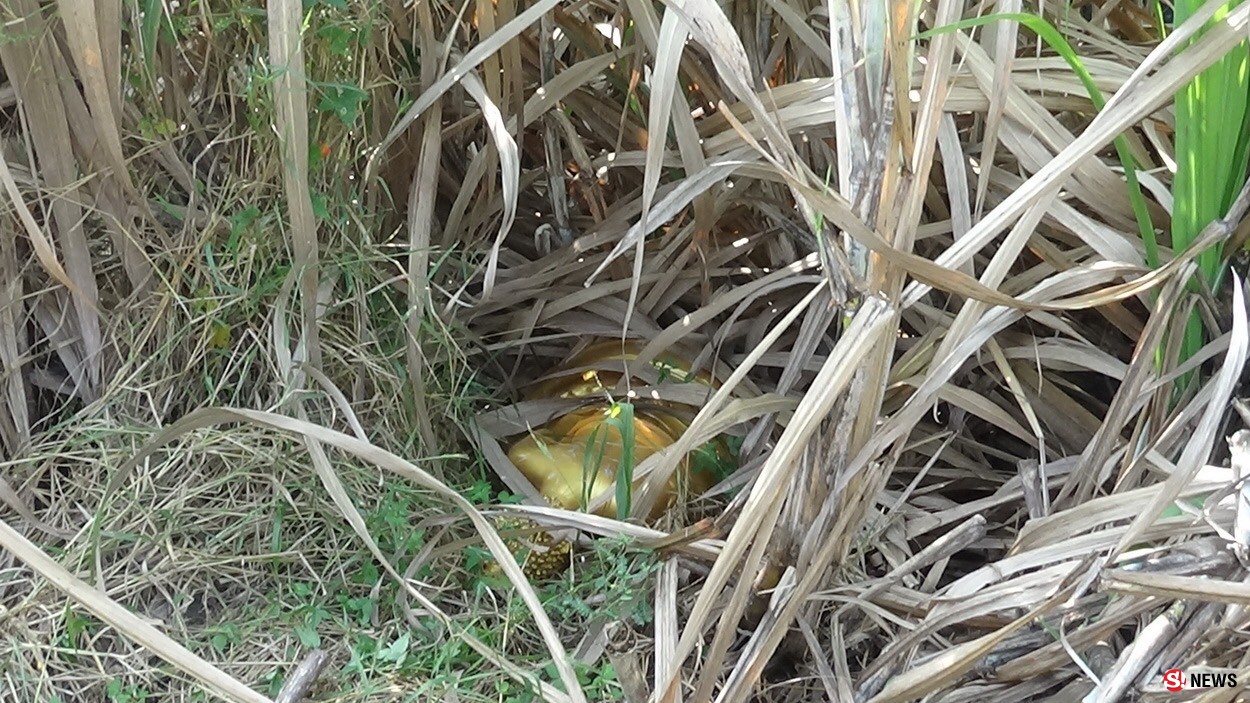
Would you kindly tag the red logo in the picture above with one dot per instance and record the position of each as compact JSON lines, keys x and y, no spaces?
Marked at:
{"x":1173,"y":680}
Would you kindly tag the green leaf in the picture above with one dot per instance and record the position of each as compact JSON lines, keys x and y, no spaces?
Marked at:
{"x":340,"y":40}
{"x":623,"y":418}
{"x":307,"y":635}
{"x":592,"y":463}
{"x":395,"y":652}
{"x":343,"y":100}
{"x":320,"y":205}
{"x":1212,"y":152}
{"x":153,"y":12}
{"x":241,"y":222}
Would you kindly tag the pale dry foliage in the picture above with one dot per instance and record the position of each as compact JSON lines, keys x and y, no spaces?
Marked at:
{"x":911,"y":264}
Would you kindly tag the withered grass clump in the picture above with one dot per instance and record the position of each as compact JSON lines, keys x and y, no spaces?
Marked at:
{"x":273,"y":278}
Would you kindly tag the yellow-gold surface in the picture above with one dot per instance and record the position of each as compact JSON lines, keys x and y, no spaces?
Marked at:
{"x":574,"y":460}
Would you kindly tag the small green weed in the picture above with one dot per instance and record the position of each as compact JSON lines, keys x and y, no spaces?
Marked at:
{"x":610,"y":582}
{"x":119,"y":692}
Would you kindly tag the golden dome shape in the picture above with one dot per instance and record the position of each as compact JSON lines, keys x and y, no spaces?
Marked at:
{"x":574,"y":460}
{"x":569,"y":382}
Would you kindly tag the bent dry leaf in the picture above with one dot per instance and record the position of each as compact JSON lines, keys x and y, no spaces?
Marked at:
{"x":471,"y":60}
{"x":509,"y":171}
{"x":108,"y":610}
{"x":208,"y":417}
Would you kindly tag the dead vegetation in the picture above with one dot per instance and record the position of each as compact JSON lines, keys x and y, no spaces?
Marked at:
{"x":272,"y":276}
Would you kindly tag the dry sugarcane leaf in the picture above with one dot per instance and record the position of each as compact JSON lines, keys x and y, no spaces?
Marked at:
{"x":421,"y":200}
{"x":1178,"y":587}
{"x":28,"y":59}
{"x":1199,"y":444}
{"x":949,"y":666}
{"x":650,"y":489}
{"x":755,"y":525}
{"x":290,"y":90}
{"x":472,"y":59}
{"x":510,"y":169}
